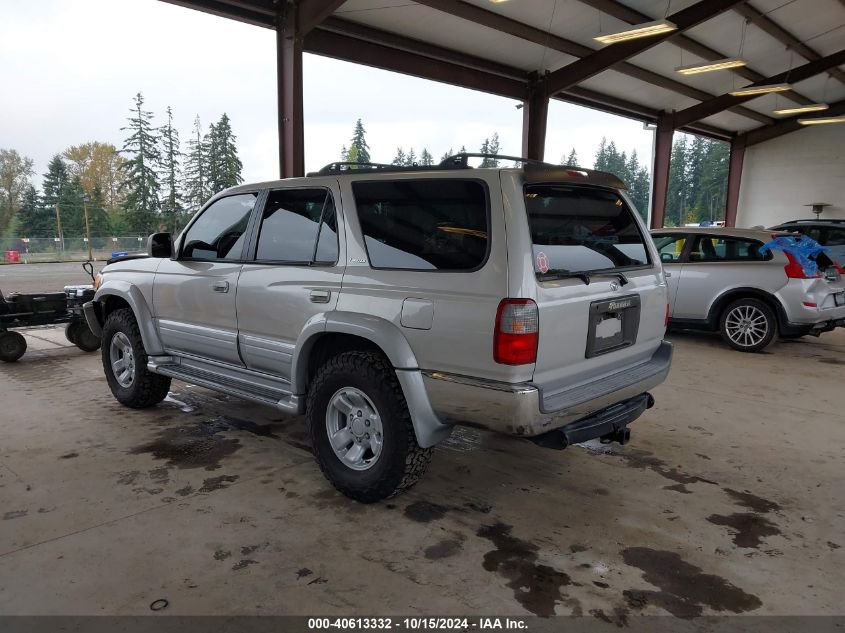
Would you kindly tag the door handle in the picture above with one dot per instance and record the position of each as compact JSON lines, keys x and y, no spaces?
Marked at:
{"x":667,"y":273}
{"x":320,"y":296}
{"x":220,"y":286}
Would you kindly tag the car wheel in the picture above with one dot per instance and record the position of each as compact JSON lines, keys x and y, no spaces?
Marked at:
{"x":748,"y":325}
{"x":12,"y":346}
{"x":85,"y":339}
{"x":125,"y":363}
{"x":361,"y":429}
{"x":71,"y":330}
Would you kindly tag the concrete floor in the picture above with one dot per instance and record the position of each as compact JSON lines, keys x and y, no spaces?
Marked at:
{"x":728,"y":500}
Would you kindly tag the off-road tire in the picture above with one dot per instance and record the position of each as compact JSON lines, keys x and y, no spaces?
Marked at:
{"x":402,"y":461}
{"x":147,"y":389}
{"x":758,"y":307}
{"x":71,"y":330}
{"x":12,"y":346}
{"x":85,"y":339}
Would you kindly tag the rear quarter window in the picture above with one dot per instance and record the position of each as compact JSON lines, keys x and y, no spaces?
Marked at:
{"x":431,"y":224}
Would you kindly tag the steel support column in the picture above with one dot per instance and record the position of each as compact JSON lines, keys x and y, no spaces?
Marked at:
{"x":734,"y":180}
{"x":660,"y":170}
{"x":289,"y":83}
{"x":535,"y":115}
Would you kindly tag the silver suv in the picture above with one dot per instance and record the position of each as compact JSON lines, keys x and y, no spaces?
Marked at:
{"x":389,"y":304}
{"x":721,"y":279}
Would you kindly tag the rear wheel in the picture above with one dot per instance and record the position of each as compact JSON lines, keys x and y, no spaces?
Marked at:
{"x":125,"y":363}
{"x":71,"y":330}
{"x":748,"y":325}
{"x":12,"y":346}
{"x":85,"y":339}
{"x":361,"y":429}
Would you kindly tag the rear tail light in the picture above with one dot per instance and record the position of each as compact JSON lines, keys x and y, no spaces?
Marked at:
{"x":517,"y":332}
{"x":794,"y":270}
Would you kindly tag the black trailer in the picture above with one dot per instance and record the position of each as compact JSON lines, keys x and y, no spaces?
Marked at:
{"x":23,"y":310}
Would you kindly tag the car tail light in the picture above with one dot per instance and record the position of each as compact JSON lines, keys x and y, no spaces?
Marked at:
{"x":517,"y":332}
{"x":794,"y":270}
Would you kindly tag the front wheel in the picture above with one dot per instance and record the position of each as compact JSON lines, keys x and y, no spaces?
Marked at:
{"x":748,"y":325}
{"x":12,"y":346}
{"x":361,"y":429}
{"x":125,"y":363}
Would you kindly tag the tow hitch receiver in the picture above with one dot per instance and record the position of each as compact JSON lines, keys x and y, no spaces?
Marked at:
{"x":609,"y":425}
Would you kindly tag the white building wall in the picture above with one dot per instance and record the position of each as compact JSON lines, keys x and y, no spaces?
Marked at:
{"x":782,"y":175}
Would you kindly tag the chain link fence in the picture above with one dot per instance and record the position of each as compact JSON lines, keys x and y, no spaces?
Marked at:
{"x":70,"y":249}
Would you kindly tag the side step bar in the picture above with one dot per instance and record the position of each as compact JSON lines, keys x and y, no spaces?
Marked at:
{"x":284,"y":401}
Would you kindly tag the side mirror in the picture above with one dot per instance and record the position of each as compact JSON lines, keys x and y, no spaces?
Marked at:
{"x":666,"y":257}
{"x":160,"y":245}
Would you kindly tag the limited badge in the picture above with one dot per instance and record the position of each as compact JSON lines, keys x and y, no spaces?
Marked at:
{"x":542,"y":262}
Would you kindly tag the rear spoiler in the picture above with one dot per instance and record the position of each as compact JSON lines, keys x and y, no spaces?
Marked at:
{"x":543,"y":173}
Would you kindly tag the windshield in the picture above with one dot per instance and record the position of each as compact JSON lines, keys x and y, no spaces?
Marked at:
{"x":582,"y":229}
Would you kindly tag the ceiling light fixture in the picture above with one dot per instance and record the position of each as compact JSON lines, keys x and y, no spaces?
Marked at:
{"x":751,"y":91}
{"x":706,"y":67}
{"x":822,"y":120}
{"x":813,"y":107}
{"x":649,"y":29}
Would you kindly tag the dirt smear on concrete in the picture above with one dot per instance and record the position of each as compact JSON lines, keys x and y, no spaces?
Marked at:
{"x":684,"y":590}
{"x":749,"y":528}
{"x":536,"y":587}
{"x":752,"y":502}
{"x":425,"y":511}
{"x":644,"y":460}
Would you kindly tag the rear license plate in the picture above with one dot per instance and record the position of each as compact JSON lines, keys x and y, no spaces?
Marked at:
{"x":839,"y":299}
{"x":613,"y":324}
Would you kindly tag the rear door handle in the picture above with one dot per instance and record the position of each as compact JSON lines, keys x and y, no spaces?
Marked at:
{"x":320,"y":296}
{"x":220,"y":286}
{"x":667,"y":273}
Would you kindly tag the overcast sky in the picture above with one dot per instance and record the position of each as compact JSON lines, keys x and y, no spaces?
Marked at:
{"x":69,"y":70}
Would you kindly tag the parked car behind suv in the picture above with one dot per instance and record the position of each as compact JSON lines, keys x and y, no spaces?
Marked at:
{"x":720,"y":279}
{"x":390,"y":304}
{"x":828,"y":233}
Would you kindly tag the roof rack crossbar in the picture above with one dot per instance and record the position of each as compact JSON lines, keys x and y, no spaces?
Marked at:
{"x":461,"y":159}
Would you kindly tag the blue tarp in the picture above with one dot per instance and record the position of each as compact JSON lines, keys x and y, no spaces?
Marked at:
{"x":804,"y":249}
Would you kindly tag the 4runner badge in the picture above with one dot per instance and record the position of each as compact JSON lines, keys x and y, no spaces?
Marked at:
{"x":619,"y":305}
{"x":355,"y":260}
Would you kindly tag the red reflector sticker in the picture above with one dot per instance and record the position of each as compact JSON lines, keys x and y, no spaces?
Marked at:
{"x":542,"y":262}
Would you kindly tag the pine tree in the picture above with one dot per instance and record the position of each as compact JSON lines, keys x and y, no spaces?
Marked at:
{"x":171,"y":201}
{"x":400,"y":158}
{"x":411,"y":158}
{"x":679,"y":185}
{"x":359,"y":151}
{"x":601,"y":156}
{"x":426,"y":158}
{"x":196,"y":190}
{"x":141,"y":183}
{"x":490,"y":146}
{"x":447,"y":155}
{"x":224,"y":166}
{"x":344,"y":154}
{"x":34,"y":218}
{"x":571,"y":160}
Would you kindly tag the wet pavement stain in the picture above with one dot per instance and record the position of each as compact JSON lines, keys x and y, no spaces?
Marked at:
{"x":679,"y":488}
{"x":684,"y":589}
{"x":128,"y":478}
{"x":184,"y":492}
{"x":619,"y":617}
{"x":443,"y":549}
{"x":753,"y":502}
{"x":644,"y":460}
{"x":222,"y":554}
{"x":479,"y":506}
{"x":575,"y":548}
{"x":832,"y":361}
{"x":217,"y":483}
{"x":302,"y":573}
{"x":69,"y":455}
{"x":536,"y":587}
{"x":14,"y":514}
{"x":243,"y":564}
{"x":749,"y":528}
{"x":425,"y":511}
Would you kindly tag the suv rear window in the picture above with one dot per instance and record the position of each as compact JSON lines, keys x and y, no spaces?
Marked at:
{"x":582,"y":229}
{"x":431,"y":224}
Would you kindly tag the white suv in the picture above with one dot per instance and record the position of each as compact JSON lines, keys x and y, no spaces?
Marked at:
{"x":389,"y":304}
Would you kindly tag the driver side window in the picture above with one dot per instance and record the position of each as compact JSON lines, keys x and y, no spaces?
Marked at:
{"x":219,"y":233}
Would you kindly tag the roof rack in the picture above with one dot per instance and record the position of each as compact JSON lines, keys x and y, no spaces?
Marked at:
{"x":821,"y":220}
{"x":462,"y":159}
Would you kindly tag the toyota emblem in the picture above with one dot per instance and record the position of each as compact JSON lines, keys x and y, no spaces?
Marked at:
{"x":614,"y":286}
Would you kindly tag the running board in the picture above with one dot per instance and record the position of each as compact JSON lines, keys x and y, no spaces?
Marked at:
{"x":278,"y":398}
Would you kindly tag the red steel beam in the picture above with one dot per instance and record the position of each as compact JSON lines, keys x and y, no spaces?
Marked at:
{"x":289,"y":84}
{"x":734,"y":180}
{"x":714,"y":106}
{"x":609,"y":56}
{"x":535,"y":115}
{"x":311,"y":13}
{"x":660,"y":173}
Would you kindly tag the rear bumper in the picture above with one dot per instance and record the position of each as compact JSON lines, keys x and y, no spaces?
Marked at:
{"x":525,"y":410}
{"x":795,"y":329}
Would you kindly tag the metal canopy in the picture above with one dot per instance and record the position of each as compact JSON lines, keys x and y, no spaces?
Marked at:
{"x":536,"y":50}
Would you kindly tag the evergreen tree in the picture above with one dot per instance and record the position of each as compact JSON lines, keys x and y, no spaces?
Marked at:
{"x":601,"y":156}
{"x":141,"y":184}
{"x":447,"y":155}
{"x":344,"y":154}
{"x":571,"y":160}
{"x":171,"y":200}
{"x":224,"y":166}
{"x":411,"y":158}
{"x":34,"y":218}
{"x":426,"y":158}
{"x":359,"y":151}
{"x":490,"y":146}
{"x":400,"y":158}
{"x":196,"y":190}
{"x":677,"y":199}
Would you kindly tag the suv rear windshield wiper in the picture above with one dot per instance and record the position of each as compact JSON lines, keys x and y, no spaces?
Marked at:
{"x":585,"y":276}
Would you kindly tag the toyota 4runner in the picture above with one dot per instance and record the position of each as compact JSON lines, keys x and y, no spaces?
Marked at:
{"x":390,"y":304}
